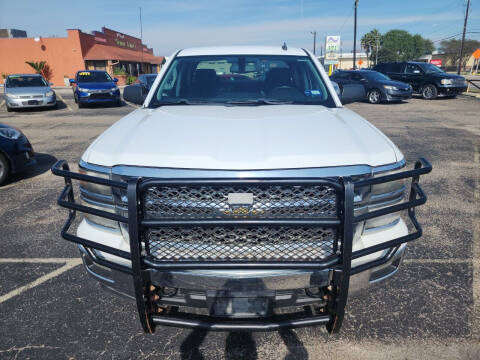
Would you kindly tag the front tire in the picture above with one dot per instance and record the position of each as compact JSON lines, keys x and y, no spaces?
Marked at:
{"x":374,"y":96}
{"x":429,"y":92}
{"x":9,"y":109}
{"x":4,"y":169}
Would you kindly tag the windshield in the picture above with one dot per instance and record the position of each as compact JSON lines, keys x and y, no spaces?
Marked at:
{"x":430,"y":68}
{"x":376,"y":76}
{"x":93,"y":76}
{"x":25,"y":81}
{"x":242,"y":79}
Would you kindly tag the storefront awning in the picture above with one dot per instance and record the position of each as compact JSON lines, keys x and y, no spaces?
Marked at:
{"x":105,"y":52}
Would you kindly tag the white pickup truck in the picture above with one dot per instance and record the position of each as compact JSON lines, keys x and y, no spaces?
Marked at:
{"x":244,"y":189}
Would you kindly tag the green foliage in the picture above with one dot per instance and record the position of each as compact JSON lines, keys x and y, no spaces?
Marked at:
{"x":4,"y":75}
{"x":131,"y":79}
{"x":41,"y":67}
{"x":119,"y":71}
{"x":396,"y":45}
{"x":451,"y":48}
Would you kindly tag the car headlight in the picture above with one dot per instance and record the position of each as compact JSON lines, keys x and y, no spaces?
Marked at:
{"x":12,"y":96}
{"x":390,"y":87}
{"x":83,"y":90}
{"x":98,"y":197}
{"x":49,"y":93}
{"x":446,"y":82}
{"x":10,"y":133}
{"x":114,"y":89}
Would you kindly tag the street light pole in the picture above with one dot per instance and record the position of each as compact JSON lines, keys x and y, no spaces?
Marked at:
{"x":314,"y":33}
{"x":463,"y":39}
{"x":355,"y":38}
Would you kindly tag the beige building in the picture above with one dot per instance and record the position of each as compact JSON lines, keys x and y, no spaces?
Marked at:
{"x":345,"y":61}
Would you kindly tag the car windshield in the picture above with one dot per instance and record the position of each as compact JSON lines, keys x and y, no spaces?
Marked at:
{"x":242,"y":80}
{"x":93,"y":76}
{"x":25,"y":81}
{"x":375,"y":76}
{"x":430,"y":68}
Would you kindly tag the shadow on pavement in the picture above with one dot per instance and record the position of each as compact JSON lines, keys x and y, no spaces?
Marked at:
{"x":44,"y":163}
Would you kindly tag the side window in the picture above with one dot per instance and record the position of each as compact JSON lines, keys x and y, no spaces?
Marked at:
{"x":395,"y":68}
{"x":412,"y":69}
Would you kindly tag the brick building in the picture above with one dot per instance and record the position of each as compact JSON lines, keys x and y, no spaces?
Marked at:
{"x":107,"y":50}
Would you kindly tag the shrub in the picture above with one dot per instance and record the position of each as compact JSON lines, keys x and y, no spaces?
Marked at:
{"x":131,"y":79}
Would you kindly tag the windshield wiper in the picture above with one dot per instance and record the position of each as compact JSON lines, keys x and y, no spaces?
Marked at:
{"x":177,"y":102}
{"x":258,"y":102}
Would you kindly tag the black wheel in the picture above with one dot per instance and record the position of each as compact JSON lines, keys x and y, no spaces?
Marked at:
{"x":429,"y":92}
{"x":80,"y":105}
{"x":374,"y":96}
{"x":9,"y":109}
{"x":4,"y":169}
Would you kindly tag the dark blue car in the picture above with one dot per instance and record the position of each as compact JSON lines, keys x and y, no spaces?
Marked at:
{"x":95,"y":87}
{"x":16,"y":152}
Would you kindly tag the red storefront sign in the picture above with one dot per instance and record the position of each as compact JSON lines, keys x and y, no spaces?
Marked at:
{"x":436,"y":62}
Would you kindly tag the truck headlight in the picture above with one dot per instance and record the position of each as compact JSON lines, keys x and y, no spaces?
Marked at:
{"x":97,"y":196}
{"x":383,"y":195}
{"x":446,"y":82}
{"x":390,"y":87}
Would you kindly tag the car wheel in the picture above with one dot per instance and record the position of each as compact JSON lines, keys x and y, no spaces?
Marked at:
{"x":374,"y":96}
{"x":9,"y":109}
{"x":429,"y":92}
{"x":4,"y":169}
{"x":80,"y":105}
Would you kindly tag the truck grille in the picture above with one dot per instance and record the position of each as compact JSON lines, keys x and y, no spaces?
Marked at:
{"x":209,"y":202}
{"x":259,"y":242}
{"x":237,"y":243}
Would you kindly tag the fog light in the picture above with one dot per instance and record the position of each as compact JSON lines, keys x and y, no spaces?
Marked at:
{"x":169,"y":291}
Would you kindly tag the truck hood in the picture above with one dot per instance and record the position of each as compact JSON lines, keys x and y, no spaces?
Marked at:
{"x":242,"y":138}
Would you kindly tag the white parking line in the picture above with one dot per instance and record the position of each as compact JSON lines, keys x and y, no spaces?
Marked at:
{"x":61,"y":98}
{"x":1,"y":103}
{"x":70,"y":263}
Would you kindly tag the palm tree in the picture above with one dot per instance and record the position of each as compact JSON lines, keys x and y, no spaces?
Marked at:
{"x":36,"y":65}
{"x":371,"y":41}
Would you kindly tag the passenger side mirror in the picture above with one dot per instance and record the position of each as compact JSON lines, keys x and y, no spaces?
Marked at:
{"x":72,"y":81}
{"x":134,"y":94}
{"x":115,"y":80}
{"x":50,"y":83}
{"x":352,"y":93}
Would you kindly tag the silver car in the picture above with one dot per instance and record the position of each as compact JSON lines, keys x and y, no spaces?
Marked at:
{"x":28,"y":90}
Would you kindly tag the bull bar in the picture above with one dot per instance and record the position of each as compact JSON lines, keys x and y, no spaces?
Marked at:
{"x":339,"y":265}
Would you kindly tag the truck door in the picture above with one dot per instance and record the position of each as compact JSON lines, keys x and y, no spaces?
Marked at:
{"x":414,"y":76}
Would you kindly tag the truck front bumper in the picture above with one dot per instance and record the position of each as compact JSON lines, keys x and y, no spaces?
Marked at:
{"x":241,"y":294}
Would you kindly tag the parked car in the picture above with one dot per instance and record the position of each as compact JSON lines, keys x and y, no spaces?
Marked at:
{"x":426,"y":79}
{"x":95,"y":87}
{"x":28,"y":90}
{"x":16,"y":152}
{"x":242,"y":196}
{"x":378,"y":86}
{"x":138,"y":91}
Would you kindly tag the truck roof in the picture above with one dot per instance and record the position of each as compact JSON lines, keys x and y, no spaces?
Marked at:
{"x":242,"y":50}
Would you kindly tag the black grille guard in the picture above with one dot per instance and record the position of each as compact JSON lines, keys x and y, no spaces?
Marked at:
{"x":340,"y":264}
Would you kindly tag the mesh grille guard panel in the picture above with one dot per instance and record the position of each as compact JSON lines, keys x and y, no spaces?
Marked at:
{"x":259,"y":243}
{"x":209,"y":202}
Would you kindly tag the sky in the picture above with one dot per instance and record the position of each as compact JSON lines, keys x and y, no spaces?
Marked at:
{"x":169,"y":25}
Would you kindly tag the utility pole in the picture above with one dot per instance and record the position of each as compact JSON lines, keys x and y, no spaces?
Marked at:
{"x":377,"y":39}
{"x":463,"y":38}
{"x":355,"y":38}
{"x":314,"y":33}
{"x":141,"y":37}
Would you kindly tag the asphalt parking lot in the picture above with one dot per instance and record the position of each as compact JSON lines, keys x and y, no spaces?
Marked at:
{"x":51,"y":309}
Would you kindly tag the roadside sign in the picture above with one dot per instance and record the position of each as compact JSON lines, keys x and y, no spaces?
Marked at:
{"x":360,"y":62}
{"x":331,"y":58}
{"x":436,"y":62}
{"x":332,"y":43}
{"x":476,"y":54}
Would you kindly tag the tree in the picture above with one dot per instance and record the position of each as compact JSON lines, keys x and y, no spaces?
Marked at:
{"x":41,"y":67}
{"x":451,"y":48}
{"x":400,"y":45}
{"x":370,"y":41}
